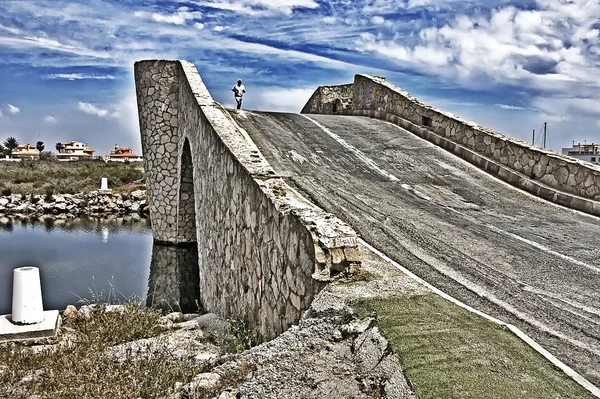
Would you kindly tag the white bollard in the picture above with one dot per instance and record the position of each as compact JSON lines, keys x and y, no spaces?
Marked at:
{"x":27,"y":306}
{"x":104,"y":184}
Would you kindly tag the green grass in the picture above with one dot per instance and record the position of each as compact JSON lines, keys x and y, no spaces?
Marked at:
{"x":36,"y":177}
{"x":447,"y":352}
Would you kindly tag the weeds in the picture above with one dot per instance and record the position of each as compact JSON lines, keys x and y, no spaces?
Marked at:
{"x":241,"y":334}
{"x":85,"y":370}
{"x":33,"y":177}
{"x":49,"y":194}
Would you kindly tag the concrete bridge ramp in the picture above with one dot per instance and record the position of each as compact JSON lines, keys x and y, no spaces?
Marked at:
{"x":517,"y":257}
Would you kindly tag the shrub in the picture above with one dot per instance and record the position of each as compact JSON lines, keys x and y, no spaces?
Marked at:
{"x":49,"y":193}
{"x":48,"y":156}
{"x":6,"y":191}
{"x":242,"y":334}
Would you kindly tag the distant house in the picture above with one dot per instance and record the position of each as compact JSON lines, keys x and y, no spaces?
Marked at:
{"x":75,"y":150}
{"x":585,"y":152}
{"x":25,"y":151}
{"x":122,"y":154}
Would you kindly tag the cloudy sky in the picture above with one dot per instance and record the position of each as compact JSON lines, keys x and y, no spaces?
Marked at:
{"x":66,"y":66}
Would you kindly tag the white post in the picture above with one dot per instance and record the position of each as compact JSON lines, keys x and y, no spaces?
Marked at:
{"x":27,"y":306}
{"x":104,"y":184}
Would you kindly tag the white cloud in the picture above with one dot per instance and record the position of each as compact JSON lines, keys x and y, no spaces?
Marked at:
{"x":544,"y":48}
{"x":1,"y":113}
{"x":50,"y":119}
{"x":281,"y":99}
{"x":510,"y":107}
{"x":182,"y":15}
{"x":13,"y":110}
{"x":561,"y":105}
{"x":199,"y":25}
{"x":330,"y":20}
{"x":219,"y":28}
{"x":257,"y":7}
{"x":378,"y":20}
{"x":97,"y":111}
{"x":179,"y":18}
{"x":79,"y":76}
{"x":51,"y":44}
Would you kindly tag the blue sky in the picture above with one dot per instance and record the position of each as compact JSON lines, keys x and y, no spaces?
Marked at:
{"x":66,"y":67}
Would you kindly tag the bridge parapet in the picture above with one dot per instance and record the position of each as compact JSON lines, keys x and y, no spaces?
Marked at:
{"x":330,"y":100}
{"x":263,"y":251}
{"x":542,"y":172}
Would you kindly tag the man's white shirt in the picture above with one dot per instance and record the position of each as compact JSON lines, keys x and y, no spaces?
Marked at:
{"x":238,"y":90}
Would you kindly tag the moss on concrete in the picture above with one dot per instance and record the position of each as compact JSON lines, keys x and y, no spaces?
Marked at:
{"x":448,"y":352}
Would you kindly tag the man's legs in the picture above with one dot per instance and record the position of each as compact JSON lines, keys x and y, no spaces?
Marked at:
{"x":239,"y":102}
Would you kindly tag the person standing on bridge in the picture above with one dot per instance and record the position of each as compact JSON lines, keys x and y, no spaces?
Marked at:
{"x":238,"y":93}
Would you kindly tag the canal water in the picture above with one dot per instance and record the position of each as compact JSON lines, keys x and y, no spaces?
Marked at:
{"x":111,"y":259}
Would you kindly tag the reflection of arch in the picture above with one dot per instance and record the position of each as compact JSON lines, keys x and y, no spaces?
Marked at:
{"x":186,"y":212}
{"x":174,"y":283}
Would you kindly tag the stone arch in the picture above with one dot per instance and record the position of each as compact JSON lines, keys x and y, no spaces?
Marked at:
{"x":186,"y":211}
{"x":337,"y":105}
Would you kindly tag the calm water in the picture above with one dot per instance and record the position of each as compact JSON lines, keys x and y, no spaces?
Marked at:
{"x":78,"y":258}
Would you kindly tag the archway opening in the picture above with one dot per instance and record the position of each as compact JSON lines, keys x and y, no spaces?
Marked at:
{"x":186,"y":212}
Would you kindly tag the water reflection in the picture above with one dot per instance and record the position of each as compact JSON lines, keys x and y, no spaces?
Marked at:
{"x":111,"y":258}
{"x":111,"y":223}
{"x":174,"y":280}
{"x":107,"y":257}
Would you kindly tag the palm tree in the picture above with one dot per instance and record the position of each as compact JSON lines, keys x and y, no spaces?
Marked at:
{"x":40,"y":146}
{"x":59,"y":146}
{"x":3,"y":151}
{"x":11,"y":143}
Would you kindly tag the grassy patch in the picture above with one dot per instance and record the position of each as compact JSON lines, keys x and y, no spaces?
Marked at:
{"x":448,"y":352}
{"x":83,"y":370}
{"x":37,"y":177}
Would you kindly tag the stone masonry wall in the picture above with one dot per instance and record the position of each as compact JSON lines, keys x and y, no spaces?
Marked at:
{"x":263,"y":252}
{"x":157,"y":92}
{"x":330,"y":99}
{"x":542,"y":172}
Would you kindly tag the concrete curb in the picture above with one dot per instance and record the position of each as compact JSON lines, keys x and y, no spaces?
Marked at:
{"x":490,"y":166}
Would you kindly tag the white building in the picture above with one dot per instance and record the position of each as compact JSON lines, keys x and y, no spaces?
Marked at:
{"x":74,"y":150}
{"x":585,"y":152}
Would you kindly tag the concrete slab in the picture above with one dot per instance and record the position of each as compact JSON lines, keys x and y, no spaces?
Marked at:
{"x":46,"y":329}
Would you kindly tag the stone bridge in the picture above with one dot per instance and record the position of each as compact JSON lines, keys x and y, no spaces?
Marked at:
{"x":263,"y":251}
{"x":503,"y":226}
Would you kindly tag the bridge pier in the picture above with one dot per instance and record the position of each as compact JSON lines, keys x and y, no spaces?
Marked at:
{"x":157,"y":86}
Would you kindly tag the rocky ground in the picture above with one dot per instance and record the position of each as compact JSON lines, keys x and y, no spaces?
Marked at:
{"x":75,"y":205}
{"x":331,"y":353}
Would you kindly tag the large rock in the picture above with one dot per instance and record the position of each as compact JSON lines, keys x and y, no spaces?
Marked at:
{"x":138,"y":194}
{"x":212,"y":325}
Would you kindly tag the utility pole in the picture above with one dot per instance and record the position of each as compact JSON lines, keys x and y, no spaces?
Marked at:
{"x":545,"y":131}
{"x":533,"y":138}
